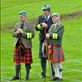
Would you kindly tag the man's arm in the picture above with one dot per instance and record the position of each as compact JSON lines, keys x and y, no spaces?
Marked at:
{"x":57,"y":34}
{"x":29,"y":34}
{"x":38,"y":27}
{"x":15,"y":33}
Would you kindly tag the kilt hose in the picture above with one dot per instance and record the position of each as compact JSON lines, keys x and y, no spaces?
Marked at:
{"x":27,"y":58}
{"x":55,"y":53}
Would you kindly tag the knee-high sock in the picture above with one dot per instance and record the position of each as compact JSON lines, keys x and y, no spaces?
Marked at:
{"x":43,"y":65}
{"x":17,"y":69}
{"x":53,"y":72}
{"x":27,"y":70}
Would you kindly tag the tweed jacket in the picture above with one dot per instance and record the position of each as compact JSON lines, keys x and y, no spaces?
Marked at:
{"x":28,"y":28}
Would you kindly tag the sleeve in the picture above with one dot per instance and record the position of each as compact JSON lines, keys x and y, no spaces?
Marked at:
{"x":58,"y":33}
{"x":38,"y":27}
{"x":14,"y":33}
{"x":29,"y":34}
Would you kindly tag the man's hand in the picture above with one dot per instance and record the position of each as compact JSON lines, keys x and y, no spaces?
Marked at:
{"x":47,"y":35}
{"x":19,"y":30}
{"x":44,"y":25}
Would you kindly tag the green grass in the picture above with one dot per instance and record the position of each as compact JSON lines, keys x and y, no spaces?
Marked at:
{"x":72,"y":48}
{"x":72,"y":42}
{"x":10,"y":8}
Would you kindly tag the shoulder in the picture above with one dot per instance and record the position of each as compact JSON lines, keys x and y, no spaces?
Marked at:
{"x":29,"y":24}
{"x":61,"y":26}
{"x":41,"y":16}
{"x":17,"y":25}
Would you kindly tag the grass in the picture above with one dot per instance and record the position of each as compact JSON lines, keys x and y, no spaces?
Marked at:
{"x":72,"y":71}
{"x":10,"y":8}
{"x":72,"y":40}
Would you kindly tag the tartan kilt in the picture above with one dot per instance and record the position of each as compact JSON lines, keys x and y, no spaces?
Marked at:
{"x":55,"y":54}
{"x":27,"y":58}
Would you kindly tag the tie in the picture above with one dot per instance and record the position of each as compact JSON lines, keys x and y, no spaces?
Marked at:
{"x":46,"y":18}
{"x":22,"y":25}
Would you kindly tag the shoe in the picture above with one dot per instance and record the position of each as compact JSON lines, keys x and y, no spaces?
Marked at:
{"x":53,"y":79}
{"x":26,"y":79}
{"x":14,"y":78}
{"x":43,"y":75}
{"x":59,"y":79}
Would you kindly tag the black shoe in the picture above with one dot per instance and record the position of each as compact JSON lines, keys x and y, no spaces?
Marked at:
{"x":55,"y":78}
{"x":14,"y":78}
{"x":43,"y":75}
{"x":26,"y":79}
{"x":59,"y":79}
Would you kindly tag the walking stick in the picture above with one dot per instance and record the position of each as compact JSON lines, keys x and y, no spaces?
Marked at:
{"x":20,"y":49}
{"x":46,"y":52}
{"x":49,"y":67}
{"x":20,"y":56}
{"x":20,"y":46}
{"x":47,"y":41}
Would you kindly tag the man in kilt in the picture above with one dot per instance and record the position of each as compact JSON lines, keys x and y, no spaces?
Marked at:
{"x":23,"y":32}
{"x":55,"y":52}
{"x":44,"y":23}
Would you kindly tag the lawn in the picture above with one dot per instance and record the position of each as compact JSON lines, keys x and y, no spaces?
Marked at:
{"x":72,"y":48}
{"x":72,"y":39}
{"x":10,"y":8}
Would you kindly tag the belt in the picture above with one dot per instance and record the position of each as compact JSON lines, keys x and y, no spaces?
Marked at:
{"x":57,"y":46}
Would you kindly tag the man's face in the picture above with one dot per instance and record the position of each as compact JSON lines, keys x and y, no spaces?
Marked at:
{"x":22,"y":18}
{"x":46,"y":13}
{"x":55,"y":19}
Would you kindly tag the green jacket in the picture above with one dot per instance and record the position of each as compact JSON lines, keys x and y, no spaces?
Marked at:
{"x":28,"y":28}
{"x":56,"y":33}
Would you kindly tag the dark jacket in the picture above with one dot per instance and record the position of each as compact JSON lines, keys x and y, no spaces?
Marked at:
{"x":28,"y":27}
{"x":42,"y":32}
{"x":58,"y":29}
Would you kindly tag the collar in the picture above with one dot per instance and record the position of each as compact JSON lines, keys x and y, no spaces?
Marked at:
{"x":23,"y":22}
{"x":57,"y":24}
{"x":48,"y":17}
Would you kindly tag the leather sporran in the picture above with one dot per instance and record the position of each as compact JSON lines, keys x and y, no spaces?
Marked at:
{"x":44,"y":49}
{"x":50,"y":52}
{"x":21,"y":50}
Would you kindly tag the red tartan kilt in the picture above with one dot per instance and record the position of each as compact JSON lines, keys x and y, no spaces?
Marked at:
{"x":56,"y":54}
{"x":27,"y":58}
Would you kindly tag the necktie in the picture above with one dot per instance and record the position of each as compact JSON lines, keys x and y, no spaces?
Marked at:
{"x":22,"y":25}
{"x":46,"y":18}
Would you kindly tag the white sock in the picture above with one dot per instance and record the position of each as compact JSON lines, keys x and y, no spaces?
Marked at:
{"x":60,"y":72}
{"x":56,"y":69}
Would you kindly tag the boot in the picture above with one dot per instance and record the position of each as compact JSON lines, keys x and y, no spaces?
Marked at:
{"x":27,"y":71}
{"x":17,"y":69}
{"x":43,"y":65}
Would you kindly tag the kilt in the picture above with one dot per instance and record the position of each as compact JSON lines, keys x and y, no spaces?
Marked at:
{"x":27,"y":58}
{"x":55,"y":54}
